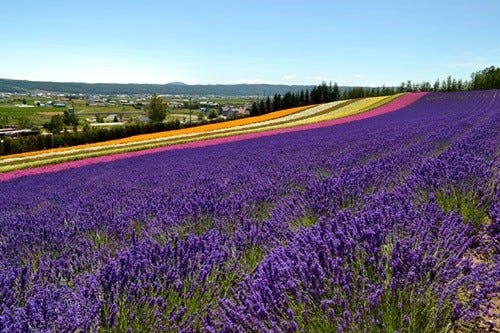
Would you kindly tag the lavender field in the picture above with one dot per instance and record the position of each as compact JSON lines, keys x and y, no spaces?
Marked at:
{"x":389,"y":224}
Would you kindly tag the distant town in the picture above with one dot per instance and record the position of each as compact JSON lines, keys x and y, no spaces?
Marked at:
{"x":22,"y":111}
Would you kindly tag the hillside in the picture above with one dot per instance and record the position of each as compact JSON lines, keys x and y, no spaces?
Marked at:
{"x":174,"y":88}
{"x":380,"y":221}
{"x":288,"y":119}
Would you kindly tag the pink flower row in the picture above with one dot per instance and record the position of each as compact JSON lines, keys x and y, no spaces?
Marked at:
{"x":394,"y":105}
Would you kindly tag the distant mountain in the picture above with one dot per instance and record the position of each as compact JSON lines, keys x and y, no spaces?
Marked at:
{"x":173,"y":88}
{"x":176,"y":84}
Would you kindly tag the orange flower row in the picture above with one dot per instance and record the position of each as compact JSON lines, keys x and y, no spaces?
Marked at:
{"x":165,"y":134}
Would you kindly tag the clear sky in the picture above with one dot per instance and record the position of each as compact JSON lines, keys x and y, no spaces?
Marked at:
{"x":241,"y":41}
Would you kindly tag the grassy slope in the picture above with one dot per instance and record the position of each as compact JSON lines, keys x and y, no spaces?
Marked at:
{"x":275,"y":120}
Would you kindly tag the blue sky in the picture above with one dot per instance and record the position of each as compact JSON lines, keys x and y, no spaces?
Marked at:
{"x":360,"y":42}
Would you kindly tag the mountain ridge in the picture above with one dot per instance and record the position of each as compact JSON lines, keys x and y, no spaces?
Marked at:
{"x":172,"y":88}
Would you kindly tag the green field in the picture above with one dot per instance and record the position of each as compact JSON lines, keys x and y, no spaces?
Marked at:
{"x":11,"y":115}
{"x":35,"y":117}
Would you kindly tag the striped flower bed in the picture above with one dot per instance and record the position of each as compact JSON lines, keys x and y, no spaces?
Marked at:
{"x":34,"y":168}
{"x":388,"y":224}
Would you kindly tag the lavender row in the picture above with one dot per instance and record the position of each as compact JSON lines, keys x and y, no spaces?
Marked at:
{"x":339,"y":274}
{"x":345,"y":228}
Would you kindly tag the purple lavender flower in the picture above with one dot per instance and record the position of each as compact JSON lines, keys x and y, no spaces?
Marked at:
{"x":345,"y":222}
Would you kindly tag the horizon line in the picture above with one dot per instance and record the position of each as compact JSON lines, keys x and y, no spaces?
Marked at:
{"x":181,"y":83}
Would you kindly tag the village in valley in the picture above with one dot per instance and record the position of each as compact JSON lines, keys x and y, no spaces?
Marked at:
{"x":31,"y":113}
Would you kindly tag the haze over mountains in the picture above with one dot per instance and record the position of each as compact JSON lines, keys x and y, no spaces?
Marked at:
{"x":173,"y":88}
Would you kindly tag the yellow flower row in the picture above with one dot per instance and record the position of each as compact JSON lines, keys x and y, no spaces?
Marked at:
{"x":347,"y":110}
{"x":180,"y":132}
{"x":276,"y":120}
{"x":307,"y":112}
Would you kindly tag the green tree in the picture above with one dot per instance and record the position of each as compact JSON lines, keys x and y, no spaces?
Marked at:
{"x":70,"y":119}
{"x":287,"y":101}
{"x":157,"y":111}
{"x":409,"y":86}
{"x":402,"y":87}
{"x":425,"y":86}
{"x":302,"y":98}
{"x":269,"y":106}
{"x":335,"y":92}
{"x":86,"y":127}
{"x":262,"y":107}
{"x":254,"y":111}
{"x":449,"y":83}
{"x":488,"y":78}
{"x":307,"y":98}
{"x":437,"y":85}
{"x":212,"y":114}
{"x":56,"y":124}
{"x":276,"y":104}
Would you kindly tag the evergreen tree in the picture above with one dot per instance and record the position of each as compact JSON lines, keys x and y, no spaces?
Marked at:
{"x":335,"y":92}
{"x":437,"y":85}
{"x":269,"y":107}
{"x":402,"y":87}
{"x":254,"y":111}
{"x":449,"y":83}
{"x":287,"y":101}
{"x":262,"y":107}
{"x":356,"y":92}
{"x":277,"y":103}
{"x":409,"y":86}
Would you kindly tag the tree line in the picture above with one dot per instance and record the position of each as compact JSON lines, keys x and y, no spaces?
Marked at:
{"x":489,"y":78}
{"x":9,"y":145}
{"x":323,"y":93}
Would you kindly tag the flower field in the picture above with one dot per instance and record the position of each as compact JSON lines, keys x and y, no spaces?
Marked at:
{"x":276,"y":121}
{"x":385,"y":224}
{"x":184,"y":131}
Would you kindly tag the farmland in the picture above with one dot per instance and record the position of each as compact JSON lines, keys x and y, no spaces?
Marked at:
{"x":273,"y":121}
{"x":14,"y":113}
{"x":386,"y":221}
